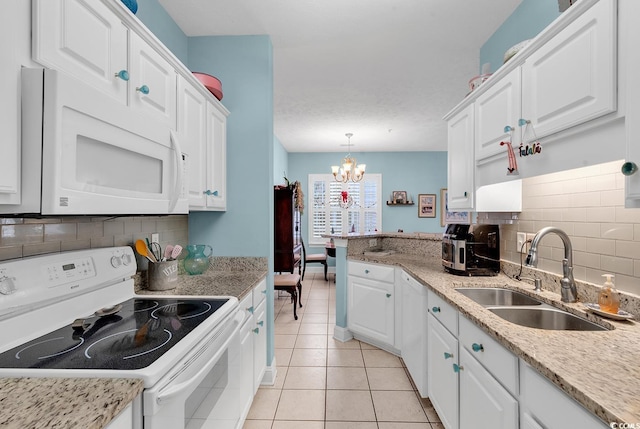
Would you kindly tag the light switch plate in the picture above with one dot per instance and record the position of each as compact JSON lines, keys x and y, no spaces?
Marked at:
{"x":155,"y":237}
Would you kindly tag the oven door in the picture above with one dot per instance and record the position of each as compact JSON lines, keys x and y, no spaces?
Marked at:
{"x":99,"y":158}
{"x":203,"y":390}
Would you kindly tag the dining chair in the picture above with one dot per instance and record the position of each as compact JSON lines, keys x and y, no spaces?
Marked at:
{"x":313,"y":258}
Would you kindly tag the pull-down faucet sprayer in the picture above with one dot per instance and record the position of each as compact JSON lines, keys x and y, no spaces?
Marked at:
{"x":568,"y":290}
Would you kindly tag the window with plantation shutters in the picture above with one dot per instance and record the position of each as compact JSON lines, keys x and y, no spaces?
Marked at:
{"x":357,"y":211}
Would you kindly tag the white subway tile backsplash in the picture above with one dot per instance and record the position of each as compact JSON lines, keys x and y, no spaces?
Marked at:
{"x":11,"y":235}
{"x":601,"y":246}
{"x":588,"y":204}
{"x":628,"y":249}
{"x":60,"y":232}
{"x":614,"y":264}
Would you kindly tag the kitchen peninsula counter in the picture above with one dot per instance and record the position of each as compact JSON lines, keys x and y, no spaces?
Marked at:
{"x":598,"y":369}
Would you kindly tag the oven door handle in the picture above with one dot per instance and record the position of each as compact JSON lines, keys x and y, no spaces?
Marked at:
{"x":167,"y":394}
{"x":177,"y":188}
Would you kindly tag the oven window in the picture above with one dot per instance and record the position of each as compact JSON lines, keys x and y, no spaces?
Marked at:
{"x":101,"y":164}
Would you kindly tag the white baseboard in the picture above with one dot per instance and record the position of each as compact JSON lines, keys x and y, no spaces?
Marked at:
{"x":269,"y":378}
{"x":342,"y":334}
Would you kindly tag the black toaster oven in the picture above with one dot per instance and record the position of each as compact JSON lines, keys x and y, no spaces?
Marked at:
{"x":471,"y":250}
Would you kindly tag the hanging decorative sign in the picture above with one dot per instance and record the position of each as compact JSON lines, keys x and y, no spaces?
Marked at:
{"x":528,"y":148}
{"x":512,"y":170}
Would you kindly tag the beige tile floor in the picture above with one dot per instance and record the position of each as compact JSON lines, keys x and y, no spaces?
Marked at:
{"x":322,"y":383}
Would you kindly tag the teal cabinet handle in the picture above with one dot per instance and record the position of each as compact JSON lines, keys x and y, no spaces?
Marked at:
{"x":250,"y":309}
{"x":123,"y":74}
{"x":366,"y":271}
{"x":435,"y":309}
{"x":144,"y":89}
{"x":448,"y":355}
{"x":261,"y":323}
{"x":264,"y":291}
{"x":209,"y":192}
{"x":629,"y":168}
{"x":388,"y":295}
{"x":477,"y":347}
{"x":256,"y":330}
{"x":457,"y":368}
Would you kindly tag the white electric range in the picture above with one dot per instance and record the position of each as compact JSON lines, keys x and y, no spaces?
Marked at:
{"x":75,"y":314}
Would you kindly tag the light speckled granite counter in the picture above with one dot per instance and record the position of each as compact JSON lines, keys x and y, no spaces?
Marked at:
{"x":82,"y":403}
{"x":601,"y":370}
{"x":90,"y":403}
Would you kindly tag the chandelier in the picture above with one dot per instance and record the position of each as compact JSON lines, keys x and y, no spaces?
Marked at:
{"x":350,"y":171}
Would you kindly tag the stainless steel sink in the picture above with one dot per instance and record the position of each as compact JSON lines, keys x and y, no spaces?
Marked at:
{"x":545,"y":318}
{"x":491,"y":296}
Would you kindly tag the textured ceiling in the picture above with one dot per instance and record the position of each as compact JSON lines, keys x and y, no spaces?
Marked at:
{"x":385,"y":70}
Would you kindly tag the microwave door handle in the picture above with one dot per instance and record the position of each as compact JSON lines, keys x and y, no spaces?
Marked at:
{"x":177,"y":189}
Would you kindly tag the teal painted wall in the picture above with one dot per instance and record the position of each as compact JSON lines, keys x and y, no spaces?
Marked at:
{"x":529,"y":19}
{"x":280,"y":162}
{"x":244,"y":64}
{"x":414,"y":172}
{"x":153,"y":15}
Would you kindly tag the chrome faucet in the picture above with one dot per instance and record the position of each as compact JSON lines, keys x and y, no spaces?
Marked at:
{"x":568,"y":290}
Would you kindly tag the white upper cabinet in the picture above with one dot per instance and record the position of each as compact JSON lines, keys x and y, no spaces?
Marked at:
{"x":496,"y":109}
{"x":216,"y":158}
{"x":461,"y":165}
{"x":571,"y":79}
{"x":192,"y":131}
{"x":152,"y":85}
{"x":84,"y":39}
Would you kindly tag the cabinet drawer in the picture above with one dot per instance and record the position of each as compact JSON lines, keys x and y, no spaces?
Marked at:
{"x":372,"y":271}
{"x":246,"y":306}
{"x":500,"y":362}
{"x":445,"y":313}
{"x":259,"y":293}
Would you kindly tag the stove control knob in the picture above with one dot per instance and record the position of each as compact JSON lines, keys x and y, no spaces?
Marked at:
{"x":126,"y":259}
{"x":7,"y":287}
{"x":116,"y":261}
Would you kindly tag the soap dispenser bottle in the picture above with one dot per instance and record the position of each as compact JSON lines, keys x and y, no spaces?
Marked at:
{"x":608,"y":298}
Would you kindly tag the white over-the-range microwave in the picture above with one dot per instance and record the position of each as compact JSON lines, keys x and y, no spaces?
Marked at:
{"x":85,"y":153}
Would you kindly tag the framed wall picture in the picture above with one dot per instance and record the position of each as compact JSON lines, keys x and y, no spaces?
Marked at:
{"x":399,"y":197}
{"x":451,"y":217}
{"x":426,"y":205}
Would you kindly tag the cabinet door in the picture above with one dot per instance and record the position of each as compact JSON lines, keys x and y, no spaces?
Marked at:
{"x":442,"y":379}
{"x":483,"y":401}
{"x":246,"y":382}
{"x":551,"y":407}
{"x":632,"y":121}
{"x":572,"y":78}
{"x":148,"y":69}
{"x":414,"y":330}
{"x":370,"y":309}
{"x":84,"y":39}
{"x":192,"y":129}
{"x":461,"y":162}
{"x":10,"y":160}
{"x":495,"y":109}
{"x":216,"y":158}
{"x":259,"y":345}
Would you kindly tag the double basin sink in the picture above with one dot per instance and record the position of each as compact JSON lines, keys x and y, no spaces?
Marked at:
{"x":525,"y":310}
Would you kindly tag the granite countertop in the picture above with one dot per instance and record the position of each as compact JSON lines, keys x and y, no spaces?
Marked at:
{"x":598,"y":369}
{"x":83,"y":403}
{"x":213,"y":283}
{"x":91,"y":403}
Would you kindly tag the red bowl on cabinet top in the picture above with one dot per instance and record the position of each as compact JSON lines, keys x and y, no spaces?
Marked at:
{"x":213,"y":84}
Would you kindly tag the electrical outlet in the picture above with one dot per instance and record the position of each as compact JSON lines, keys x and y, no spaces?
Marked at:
{"x":373,"y":242}
{"x":521,"y":237}
{"x":155,"y":237}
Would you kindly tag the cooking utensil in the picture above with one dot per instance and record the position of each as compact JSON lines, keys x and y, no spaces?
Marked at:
{"x":82,"y":323}
{"x":177,"y":249}
{"x":156,"y":250}
{"x":167,"y":251}
{"x":143,"y":250}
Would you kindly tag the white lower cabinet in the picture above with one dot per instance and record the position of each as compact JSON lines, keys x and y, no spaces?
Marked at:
{"x":483,"y":401}
{"x":414,"y":329}
{"x":253,"y":344}
{"x":246,"y":347}
{"x":543,"y":405}
{"x":371,"y":301}
{"x":442,"y":379}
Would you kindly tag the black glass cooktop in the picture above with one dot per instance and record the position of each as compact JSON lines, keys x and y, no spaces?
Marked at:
{"x":132,"y":338}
